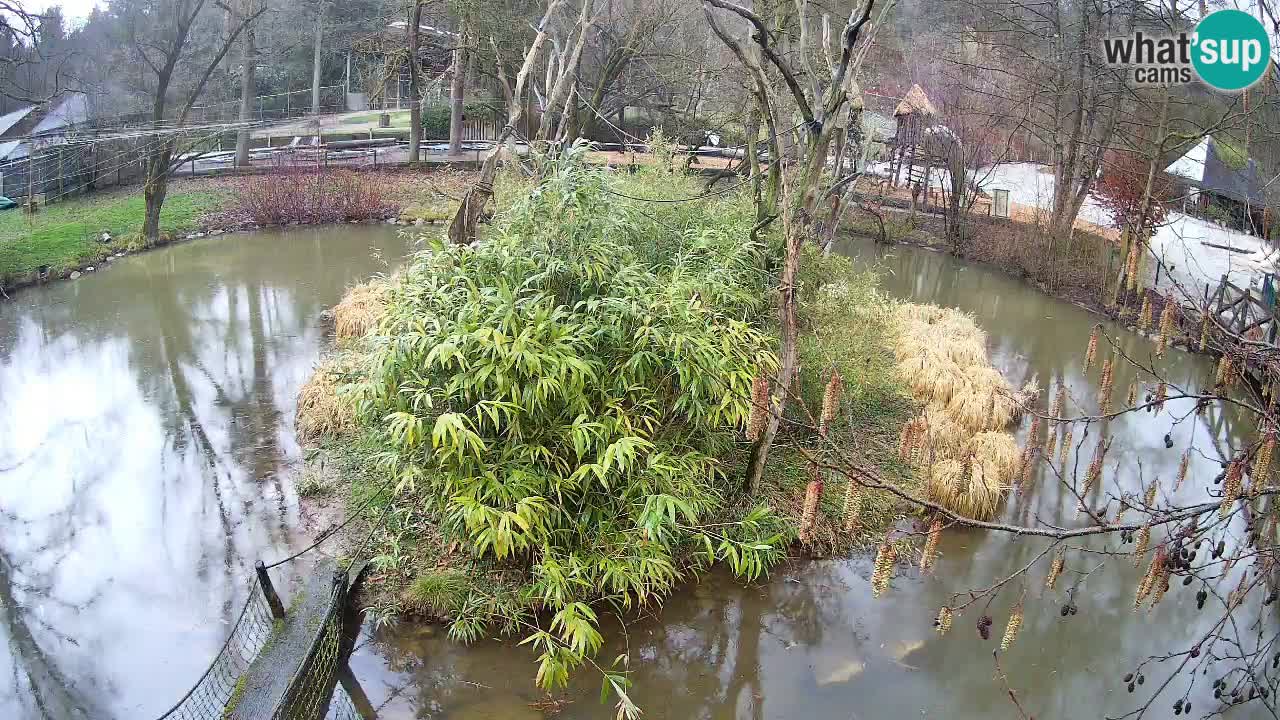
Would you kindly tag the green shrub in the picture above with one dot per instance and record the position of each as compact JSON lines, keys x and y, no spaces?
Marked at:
{"x":560,"y":396}
{"x":435,"y":117}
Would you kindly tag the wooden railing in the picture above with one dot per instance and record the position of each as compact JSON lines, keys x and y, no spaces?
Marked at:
{"x":1247,"y":312}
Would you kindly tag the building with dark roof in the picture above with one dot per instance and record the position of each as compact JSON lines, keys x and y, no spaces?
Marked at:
{"x":1223,"y":183}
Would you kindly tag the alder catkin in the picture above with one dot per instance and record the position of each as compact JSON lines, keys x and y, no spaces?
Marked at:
{"x":1141,"y":545}
{"x":882,"y":569}
{"x":1167,"y":321}
{"x":1182,"y":470}
{"x":1262,"y":463}
{"x":943,"y":623}
{"x":1131,"y":399}
{"x":1011,"y":629}
{"x":1055,"y":569}
{"x":1026,"y":466}
{"x":1231,"y":487}
{"x":1162,"y":394}
{"x":1133,"y":266}
{"x":852,"y":503}
{"x":1225,"y":375}
{"x":809,"y":517}
{"x":1033,"y":434}
{"x":1066,"y":449}
{"x":1090,"y":352}
{"x":1105,"y":385}
{"x":1204,"y":333}
{"x":1144,"y":318}
{"x":931,"y":544}
{"x":1147,"y":583}
{"x":1094,"y":473}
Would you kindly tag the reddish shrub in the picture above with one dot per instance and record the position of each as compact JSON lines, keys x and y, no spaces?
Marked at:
{"x":310,"y":194}
{"x":1121,"y":188}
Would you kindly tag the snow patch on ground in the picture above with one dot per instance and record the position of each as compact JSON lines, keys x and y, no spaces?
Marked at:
{"x":1180,"y":241}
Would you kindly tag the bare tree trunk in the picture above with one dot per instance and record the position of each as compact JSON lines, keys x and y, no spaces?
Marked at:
{"x":415,"y":95}
{"x":787,"y":356}
{"x":315,"y":61}
{"x":567,"y":77}
{"x":157,"y":186}
{"x":463,"y":228}
{"x":248,"y":86}
{"x":457,"y":90}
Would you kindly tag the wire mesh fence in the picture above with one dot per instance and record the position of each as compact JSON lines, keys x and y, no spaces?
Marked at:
{"x":312,"y":685}
{"x":241,"y":684}
{"x":217,"y":688}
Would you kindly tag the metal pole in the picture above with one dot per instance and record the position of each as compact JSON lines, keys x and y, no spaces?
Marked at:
{"x":269,"y":591}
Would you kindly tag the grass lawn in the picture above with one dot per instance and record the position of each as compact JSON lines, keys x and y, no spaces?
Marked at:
{"x":66,"y":234}
{"x":399,"y":118}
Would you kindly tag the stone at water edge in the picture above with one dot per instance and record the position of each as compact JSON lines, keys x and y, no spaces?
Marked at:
{"x":215,"y":233}
{"x":90,"y":269}
{"x":75,"y":275}
{"x":419,"y":222}
{"x":106,"y":236}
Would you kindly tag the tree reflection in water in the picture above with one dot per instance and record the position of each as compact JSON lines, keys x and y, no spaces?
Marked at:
{"x":145,"y":447}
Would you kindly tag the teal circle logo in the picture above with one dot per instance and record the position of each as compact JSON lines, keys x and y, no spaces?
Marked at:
{"x":1232,"y":50}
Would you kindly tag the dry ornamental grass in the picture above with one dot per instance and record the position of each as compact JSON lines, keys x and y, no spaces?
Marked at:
{"x":958,"y":442}
{"x":361,"y":309}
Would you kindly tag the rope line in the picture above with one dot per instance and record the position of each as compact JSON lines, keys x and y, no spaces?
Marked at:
{"x":703,"y":196}
{"x":335,"y":530}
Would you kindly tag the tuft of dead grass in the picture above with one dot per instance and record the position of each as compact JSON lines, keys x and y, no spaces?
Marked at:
{"x":966,"y":457}
{"x":971,"y":488}
{"x":360,"y":309}
{"x":324,"y":410}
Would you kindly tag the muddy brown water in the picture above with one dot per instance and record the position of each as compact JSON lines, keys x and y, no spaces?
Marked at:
{"x":812,"y":643}
{"x":147,"y":457}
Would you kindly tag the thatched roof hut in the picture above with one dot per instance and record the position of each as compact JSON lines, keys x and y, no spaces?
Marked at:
{"x":915,"y":102}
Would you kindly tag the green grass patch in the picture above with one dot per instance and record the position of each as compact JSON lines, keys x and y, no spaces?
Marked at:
{"x":846,"y":327}
{"x":398,"y":118}
{"x":67,"y":234}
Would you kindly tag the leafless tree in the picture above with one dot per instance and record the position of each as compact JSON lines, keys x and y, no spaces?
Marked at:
{"x":163,"y":35}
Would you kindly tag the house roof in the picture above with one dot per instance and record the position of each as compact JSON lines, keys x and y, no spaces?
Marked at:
{"x":71,"y":109}
{"x":1237,"y":180}
{"x":1190,"y":166}
{"x":10,"y":119}
{"x":60,"y":112}
{"x":12,"y":150}
{"x":1217,"y":167}
{"x":915,"y":101}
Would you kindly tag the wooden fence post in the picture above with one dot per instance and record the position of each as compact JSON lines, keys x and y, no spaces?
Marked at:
{"x":269,"y":591}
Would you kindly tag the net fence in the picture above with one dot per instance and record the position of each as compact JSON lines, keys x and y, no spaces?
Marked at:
{"x":221,"y":682}
{"x":312,"y":686}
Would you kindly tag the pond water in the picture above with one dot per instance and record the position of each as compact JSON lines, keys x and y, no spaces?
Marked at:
{"x":812,"y":643}
{"x":146,"y":458}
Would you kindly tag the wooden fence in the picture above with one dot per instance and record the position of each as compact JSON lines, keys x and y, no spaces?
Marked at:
{"x":1248,"y":312}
